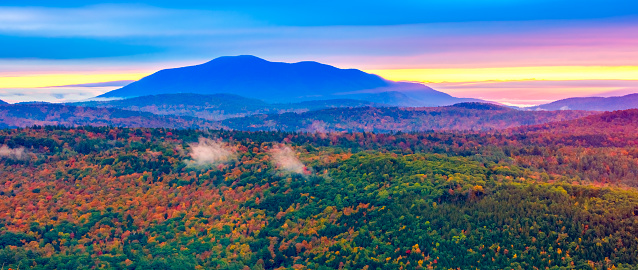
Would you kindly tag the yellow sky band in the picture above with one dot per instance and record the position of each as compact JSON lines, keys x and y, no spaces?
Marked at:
{"x":47,"y":80}
{"x":550,"y":73}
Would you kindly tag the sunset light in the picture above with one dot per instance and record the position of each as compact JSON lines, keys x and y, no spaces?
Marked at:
{"x":319,"y":135}
{"x":546,"y":73}
{"x":52,"y":80}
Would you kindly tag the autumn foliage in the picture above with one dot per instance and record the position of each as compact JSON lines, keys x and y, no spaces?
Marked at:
{"x":119,"y":198}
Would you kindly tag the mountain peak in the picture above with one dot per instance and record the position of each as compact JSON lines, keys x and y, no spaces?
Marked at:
{"x":253,"y":77}
{"x":245,"y":59}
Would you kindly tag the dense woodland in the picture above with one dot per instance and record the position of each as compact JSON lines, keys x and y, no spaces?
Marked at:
{"x":30,"y":114}
{"x":555,"y":196}
{"x":215,"y":112}
{"x":216,"y":107}
{"x":463,"y":116}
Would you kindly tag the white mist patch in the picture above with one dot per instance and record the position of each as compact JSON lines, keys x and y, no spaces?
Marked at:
{"x":12,"y":153}
{"x":209,"y":152}
{"x":286,"y":159}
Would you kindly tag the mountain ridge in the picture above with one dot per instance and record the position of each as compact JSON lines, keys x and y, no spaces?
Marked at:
{"x":460,"y":117}
{"x":280,"y":82}
{"x":216,"y":106}
{"x":592,"y":103}
{"x":464,"y":116}
{"x":41,"y":114}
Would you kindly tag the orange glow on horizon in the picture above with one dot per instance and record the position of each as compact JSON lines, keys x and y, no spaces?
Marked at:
{"x":498,"y":84}
{"x":548,"y":73}
{"x":50,"y":80}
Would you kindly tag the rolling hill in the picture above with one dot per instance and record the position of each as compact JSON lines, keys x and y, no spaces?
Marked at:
{"x":25,"y":115}
{"x":617,"y":128}
{"x":592,"y":103}
{"x":464,"y":116}
{"x":253,"y":77}
{"x":216,"y":106}
{"x":308,"y":116}
{"x":2,"y":102}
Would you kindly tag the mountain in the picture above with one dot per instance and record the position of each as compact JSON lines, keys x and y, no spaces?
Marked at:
{"x":25,"y":115}
{"x":2,"y":102}
{"x":322,"y":115}
{"x":464,"y":116}
{"x":253,"y":77}
{"x":216,"y":106}
{"x":392,"y":98}
{"x":592,"y":103}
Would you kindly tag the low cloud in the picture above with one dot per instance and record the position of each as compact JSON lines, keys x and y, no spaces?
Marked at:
{"x":286,"y":159}
{"x":13,"y":153}
{"x":51,"y":94}
{"x":318,"y":127}
{"x":208,"y":152}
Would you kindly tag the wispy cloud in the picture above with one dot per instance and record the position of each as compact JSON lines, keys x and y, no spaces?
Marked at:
{"x":51,"y":94}
{"x":13,"y":153}
{"x":285,"y":158}
{"x":110,"y":20}
{"x":207,"y":152}
{"x":202,"y":34}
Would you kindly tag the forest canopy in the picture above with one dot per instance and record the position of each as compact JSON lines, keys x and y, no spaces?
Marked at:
{"x":120,"y":198}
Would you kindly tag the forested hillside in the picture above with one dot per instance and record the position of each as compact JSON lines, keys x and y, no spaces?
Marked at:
{"x":30,"y":114}
{"x":463,"y":116}
{"x":623,"y":125}
{"x":202,"y":111}
{"x":216,"y":107}
{"x":117,"y":198}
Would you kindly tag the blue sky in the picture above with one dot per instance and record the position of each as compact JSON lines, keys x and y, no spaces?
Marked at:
{"x":51,"y":37}
{"x":321,"y":13}
{"x":93,"y":29}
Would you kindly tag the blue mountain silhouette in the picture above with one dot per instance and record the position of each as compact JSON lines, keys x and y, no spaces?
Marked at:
{"x":592,"y":103}
{"x":253,"y":77}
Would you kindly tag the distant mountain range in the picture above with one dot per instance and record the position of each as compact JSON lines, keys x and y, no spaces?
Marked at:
{"x":217,"y":106}
{"x":3,"y":102}
{"x":26,"y":115}
{"x":592,"y":103}
{"x":463,"y":116}
{"x":249,"y":93}
{"x":277,"y":82}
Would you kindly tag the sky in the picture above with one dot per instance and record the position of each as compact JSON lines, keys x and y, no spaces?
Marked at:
{"x":517,"y":52}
